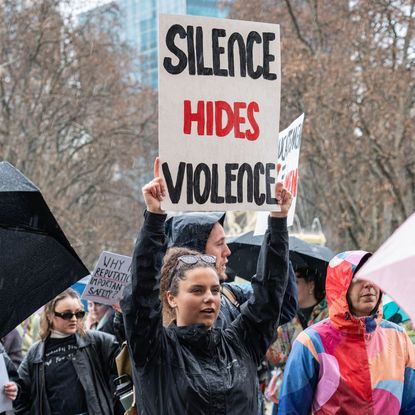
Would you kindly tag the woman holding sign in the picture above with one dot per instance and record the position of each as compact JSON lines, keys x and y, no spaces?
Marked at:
{"x":68,"y":371}
{"x":191,"y":367}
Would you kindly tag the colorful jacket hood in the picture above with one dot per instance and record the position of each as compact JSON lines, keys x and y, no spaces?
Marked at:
{"x":349,"y":365}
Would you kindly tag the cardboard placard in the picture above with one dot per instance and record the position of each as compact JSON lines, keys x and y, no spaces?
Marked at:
{"x":289,"y":143}
{"x":111,"y":274}
{"x":219,"y":105}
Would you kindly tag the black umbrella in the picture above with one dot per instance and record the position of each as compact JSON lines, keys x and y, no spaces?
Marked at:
{"x":245,"y":250}
{"x":36,"y":260}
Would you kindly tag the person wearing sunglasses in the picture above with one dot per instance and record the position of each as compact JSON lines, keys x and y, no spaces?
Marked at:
{"x":191,"y":367}
{"x":69,"y":371}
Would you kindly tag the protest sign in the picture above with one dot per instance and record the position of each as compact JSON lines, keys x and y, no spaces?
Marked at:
{"x":111,"y":274}
{"x":219,"y":104}
{"x":289,"y":142}
{"x":5,"y":403}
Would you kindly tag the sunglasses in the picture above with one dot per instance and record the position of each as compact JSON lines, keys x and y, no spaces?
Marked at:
{"x":67,"y":315}
{"x":194,"y":259}
{"x":191,"y":260}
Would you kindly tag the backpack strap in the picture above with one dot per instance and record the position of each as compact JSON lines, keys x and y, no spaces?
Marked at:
{"x":229,"y":295}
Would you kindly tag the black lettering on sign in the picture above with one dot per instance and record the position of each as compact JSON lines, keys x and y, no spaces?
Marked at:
{"x":194,"y":58}
{"x":201,"y":198}
{"x":245,"y":170}
{"x":215,"y":198}
{"x":229,"y":178}
{"x":167,"y":62}
{"x":203,"y":182}
{"x":269,"y":180}
{"x":174,"y":190}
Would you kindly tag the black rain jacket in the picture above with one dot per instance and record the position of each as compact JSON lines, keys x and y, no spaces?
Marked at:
{"x":192,"y":370}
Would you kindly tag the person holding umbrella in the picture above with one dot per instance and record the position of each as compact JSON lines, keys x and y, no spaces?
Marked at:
{"x":191,"y":367}
{"x":354,"y":362}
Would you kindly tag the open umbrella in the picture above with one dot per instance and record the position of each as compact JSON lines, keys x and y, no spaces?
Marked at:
{"x":36,"y":260}
{"x":245,"y":250}
{"x":391,"y":267}
{"x":392,"y":311}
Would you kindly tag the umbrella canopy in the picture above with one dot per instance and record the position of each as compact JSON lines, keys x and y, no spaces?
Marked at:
{"x":245,"y":250}
{"x":392,"y":311}
{"x":36,"y":260}
{"x":391,"y":267}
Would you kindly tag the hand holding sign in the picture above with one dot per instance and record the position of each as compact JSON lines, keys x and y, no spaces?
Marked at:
{"x":155,"y":191}
{"x":284,"y":198}
{"x":10,"y":389}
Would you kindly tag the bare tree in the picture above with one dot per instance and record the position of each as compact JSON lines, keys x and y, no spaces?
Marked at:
{"x":74,"y":120}
{"x":350,"y":67}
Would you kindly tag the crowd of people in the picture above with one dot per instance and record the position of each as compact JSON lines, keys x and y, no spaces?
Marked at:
{"x":197,"y":344}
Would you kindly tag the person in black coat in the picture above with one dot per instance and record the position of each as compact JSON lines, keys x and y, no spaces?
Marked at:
{"x":204,"y":232}
{"x":68,"y":371}
{"x":191,"y":367}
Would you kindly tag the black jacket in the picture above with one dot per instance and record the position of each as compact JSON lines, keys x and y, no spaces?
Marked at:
{"x":192,"y":230}
{"x":192,"y":370}
{"x":94,"y":363}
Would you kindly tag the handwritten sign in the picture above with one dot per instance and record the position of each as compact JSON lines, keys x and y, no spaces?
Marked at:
{"x":219,"y":104}
{"x":111,"y":274}
{"x":289,"y":142}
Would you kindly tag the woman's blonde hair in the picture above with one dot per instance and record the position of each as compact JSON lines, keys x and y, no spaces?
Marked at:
{"x":49,"y":309}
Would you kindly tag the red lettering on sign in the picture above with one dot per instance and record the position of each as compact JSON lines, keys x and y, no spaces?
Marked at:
{"x":290,"y":182}
{"x":222,"y":118}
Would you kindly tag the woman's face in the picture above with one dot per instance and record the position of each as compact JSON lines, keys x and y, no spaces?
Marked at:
{"x":198,"y":298}
{"x":67,"y":304}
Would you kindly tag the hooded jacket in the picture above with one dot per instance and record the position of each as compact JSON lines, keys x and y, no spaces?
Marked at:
{"x":192,"y":230}
{"x":192,"y":370}
{"x":346,"y":364}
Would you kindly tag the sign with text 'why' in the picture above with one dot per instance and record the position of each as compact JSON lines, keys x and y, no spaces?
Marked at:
{"x":219,"y":105}
{"x":109,"y":278}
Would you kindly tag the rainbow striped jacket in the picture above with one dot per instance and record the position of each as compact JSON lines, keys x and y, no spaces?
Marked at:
{"x":349,"y":365}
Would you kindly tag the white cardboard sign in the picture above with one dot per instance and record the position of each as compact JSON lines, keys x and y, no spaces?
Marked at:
{"x":111,"y":274}
{"x":289,"y":143}
{"x":219,"y":105}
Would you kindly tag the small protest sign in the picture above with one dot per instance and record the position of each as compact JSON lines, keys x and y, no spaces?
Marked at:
{"x":289,"y":142}
{"x":219,"y":104}
{"x":5,"y":403}
{"x":111,"y":274}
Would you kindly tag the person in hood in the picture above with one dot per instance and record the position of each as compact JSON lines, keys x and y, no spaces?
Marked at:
{"x":191,"y":367}
{"x":204,"y":232}
{"x":354,"y":362}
